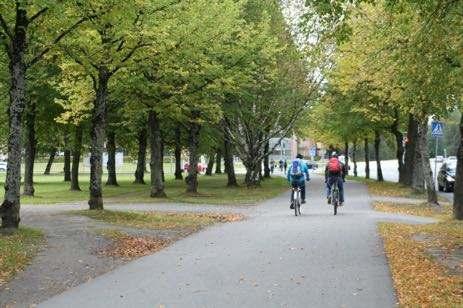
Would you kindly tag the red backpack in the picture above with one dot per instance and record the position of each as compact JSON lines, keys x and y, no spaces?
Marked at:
{"x":334,"y":165}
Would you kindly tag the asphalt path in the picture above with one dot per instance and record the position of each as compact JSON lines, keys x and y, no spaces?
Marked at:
{"x":271,"y":259}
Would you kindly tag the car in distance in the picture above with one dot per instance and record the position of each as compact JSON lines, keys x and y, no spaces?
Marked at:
{"x":452,"y":158}
{"x":446,"y":176}
{"x":3,"y":165}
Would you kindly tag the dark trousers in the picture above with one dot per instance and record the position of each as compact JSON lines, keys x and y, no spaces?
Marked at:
{"x":333,"y":180}
{"x":301,"y":185}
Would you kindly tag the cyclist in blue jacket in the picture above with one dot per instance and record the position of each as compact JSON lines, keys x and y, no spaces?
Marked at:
{"x":297,"y":174}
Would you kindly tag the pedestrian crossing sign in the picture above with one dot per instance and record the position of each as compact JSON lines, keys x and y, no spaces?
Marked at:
{"x":437,"y":129}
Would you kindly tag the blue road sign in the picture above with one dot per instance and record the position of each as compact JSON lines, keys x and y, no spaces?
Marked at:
{"x":437,"y":129}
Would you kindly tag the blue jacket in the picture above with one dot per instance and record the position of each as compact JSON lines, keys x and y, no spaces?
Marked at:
{"x":305,"y":170}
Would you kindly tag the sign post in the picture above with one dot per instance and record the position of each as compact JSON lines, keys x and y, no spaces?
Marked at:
{"x":437,"y":131}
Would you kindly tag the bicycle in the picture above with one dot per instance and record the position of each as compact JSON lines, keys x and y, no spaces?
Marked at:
{"x":335,"y":197}
{"x":296,"y":200}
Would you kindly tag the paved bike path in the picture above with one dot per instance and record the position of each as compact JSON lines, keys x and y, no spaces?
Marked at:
{"x":272,"y":259}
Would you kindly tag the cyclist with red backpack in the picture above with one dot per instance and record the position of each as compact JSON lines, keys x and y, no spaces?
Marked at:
{"x":334,"y":175}
{"x":298,"y":173}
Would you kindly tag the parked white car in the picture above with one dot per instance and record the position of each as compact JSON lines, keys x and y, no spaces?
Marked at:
{"x":451,"y":158}
{"x":3,"y":165}
{"x":439,"y":159}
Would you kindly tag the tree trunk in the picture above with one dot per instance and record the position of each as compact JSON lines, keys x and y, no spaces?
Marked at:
{"x":253,"y":169}
{"x":228,"y":161}
{"x":163,"y":176}
{"x":9,"y":211}
{"x":210,"y":164}
{"x":267,"y":160}
{"x":51,"y":158}
{"x":346,"y":151}
{"x":178,"y":155}
{"x":367,"y":159}
{"x":427,"y":171}
{"x":458,"y":189}
{"x":410,"y":148}
{"x":67,"y":160}
{"x":154,"y":133}
{"x":111,"y":164}
{"x":417,"y":175}
{"x":97,"y":136}
{"x":379,"y":170}
{"x":399,"y":144}
{"x":193,"y":140}
{"x":141,"y":157}
{"x":354,"y":158}
{"x":76,"y":152}
{"x":218,"y":161}
{"x":30,"y":150}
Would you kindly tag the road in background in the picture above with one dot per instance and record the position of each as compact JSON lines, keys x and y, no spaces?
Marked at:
{"x":391,"y":172}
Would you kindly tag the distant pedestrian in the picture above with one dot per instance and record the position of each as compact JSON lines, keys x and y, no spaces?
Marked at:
{"x":285,"y":165}
{"x":272,"y":166}
{"x":280,"y":163}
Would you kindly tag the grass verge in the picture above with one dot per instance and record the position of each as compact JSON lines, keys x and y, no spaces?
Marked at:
{"x":422,"y":278}
{"x":16,"y":251}
{"x":388,"y":189}
{"x":426,"y":260}
{"x":212,"y":190}
{"x":129,"y":247}
{"x":159,"y":220}
{"x":424,"y":209}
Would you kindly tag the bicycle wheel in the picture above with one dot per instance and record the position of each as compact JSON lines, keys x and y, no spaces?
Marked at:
{"x":297,"y":204}
{"x":335,"y":201}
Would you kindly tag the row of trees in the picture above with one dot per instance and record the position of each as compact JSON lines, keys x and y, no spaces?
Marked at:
{"x":207,"y":76}
{"x":396,"y":65}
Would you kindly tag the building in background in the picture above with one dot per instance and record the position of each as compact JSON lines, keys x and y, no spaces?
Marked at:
{"x":288,"y":148}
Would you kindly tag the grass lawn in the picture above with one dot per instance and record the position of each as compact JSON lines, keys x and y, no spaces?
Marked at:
{"x":426,"y":260}
{"x":16,"y":251}
{"x":159,"y":220}
{"x":212,"y":190}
